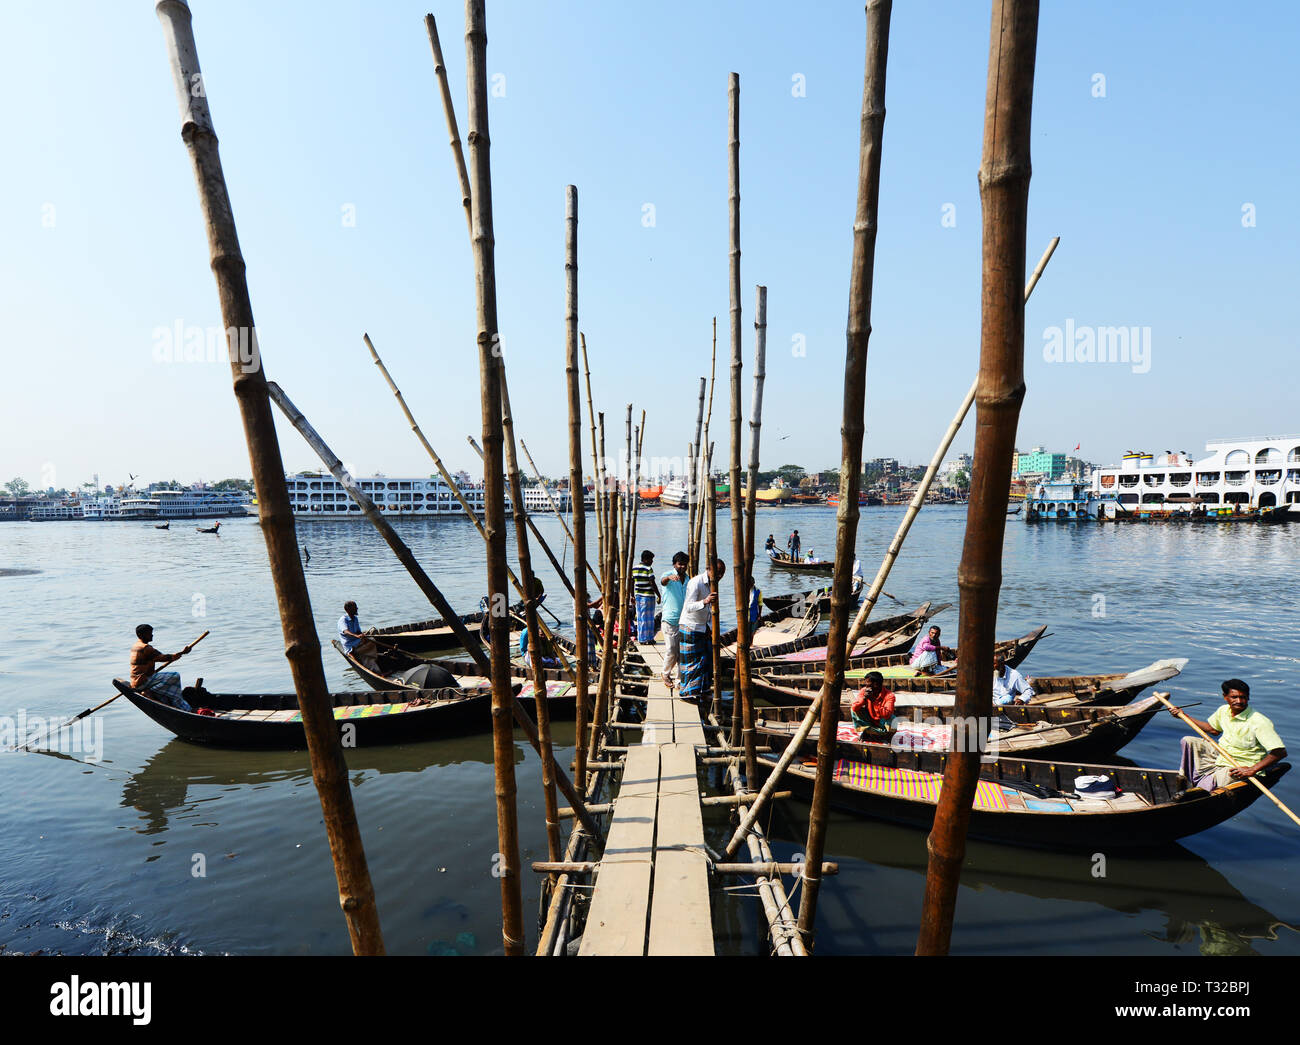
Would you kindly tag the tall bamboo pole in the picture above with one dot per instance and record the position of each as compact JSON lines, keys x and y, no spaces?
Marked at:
{"x":692,"y":487}
{"x":705,"y":462}
{"x":923,"y":487}
{"x":577,"y":490}
{"x":424,"y":582}
{"x":624,"y":530}
{"x":855,"y":383}
{"x":611,"y":617}
{"x":530,"y":619}
{"x":512,"y":928}
{"x":742,"y":711}
{"x":715,"y":617}
{"x":302,"y":647}
{"x":1004,"y":195}
{"x":598,"y":472}
{"x":751,"y":503}
{"x":449,"y":111}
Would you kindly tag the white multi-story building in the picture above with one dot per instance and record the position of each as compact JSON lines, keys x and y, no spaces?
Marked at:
{"x":1256,"y":472}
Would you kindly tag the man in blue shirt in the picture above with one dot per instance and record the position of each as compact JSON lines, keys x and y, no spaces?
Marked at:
{"x":349,"y":627}
{"x":1009,"y":686}
{"x":674,"y":597}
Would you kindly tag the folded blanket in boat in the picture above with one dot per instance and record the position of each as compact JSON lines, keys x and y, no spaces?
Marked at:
{"x":910,"y":783}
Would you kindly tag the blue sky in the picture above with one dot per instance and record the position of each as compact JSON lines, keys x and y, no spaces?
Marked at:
{"x":323,"y":106}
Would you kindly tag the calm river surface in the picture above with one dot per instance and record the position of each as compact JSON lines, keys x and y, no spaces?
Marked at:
{"x":103,"y":857}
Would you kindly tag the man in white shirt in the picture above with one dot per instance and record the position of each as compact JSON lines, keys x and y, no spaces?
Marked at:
{"x":1009,"y":686}
{"x":696,"y":633}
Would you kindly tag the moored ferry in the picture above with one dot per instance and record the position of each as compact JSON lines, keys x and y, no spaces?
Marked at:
{"x":319,"y":496}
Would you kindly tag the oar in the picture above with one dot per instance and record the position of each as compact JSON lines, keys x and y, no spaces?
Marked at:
{"x":1163,"y":698}
{"x":91,"y":711}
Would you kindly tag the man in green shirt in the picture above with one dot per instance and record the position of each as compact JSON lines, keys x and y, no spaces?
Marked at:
{"x":1242,"y":732}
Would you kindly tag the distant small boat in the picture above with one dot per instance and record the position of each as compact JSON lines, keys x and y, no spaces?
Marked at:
{"x":214,"y":528}
{"x":162,"y":526}
{"x":863,"y":499}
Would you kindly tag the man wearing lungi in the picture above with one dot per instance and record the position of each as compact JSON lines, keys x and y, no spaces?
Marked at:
{"x":163,"y":686}
{"x":696,"y":636}
{"x":646,"y":590}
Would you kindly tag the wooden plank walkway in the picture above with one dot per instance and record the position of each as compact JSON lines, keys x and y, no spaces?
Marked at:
{"x":652,"y":889}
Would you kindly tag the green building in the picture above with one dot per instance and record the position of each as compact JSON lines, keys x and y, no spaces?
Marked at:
{"x":1039,"y":462}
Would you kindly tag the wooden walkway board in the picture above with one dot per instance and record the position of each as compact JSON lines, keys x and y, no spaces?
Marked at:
{"x":652,"y":890}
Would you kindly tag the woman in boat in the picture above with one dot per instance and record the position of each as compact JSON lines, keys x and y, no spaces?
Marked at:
{"x":927,"y":657}
{"x":873,"y":710}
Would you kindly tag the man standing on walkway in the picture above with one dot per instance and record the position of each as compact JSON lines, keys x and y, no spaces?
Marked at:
{"x":674,"y":584}
{"x":646,"y":591}
{"x":696,"y":635}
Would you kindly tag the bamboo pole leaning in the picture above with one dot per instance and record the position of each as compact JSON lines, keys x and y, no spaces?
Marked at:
{"x":692,"y":470}
{"x":715,"y":616}
{"x":449,"y":111}
{"x":600,"y":714}
{"x":923,"y":487}
{"x":422,"y":579}
{"x":302,"y":647}
{"x":704,"y":465}
{"x":480,"y":168}
{"x":598,"y":471}
{"x":1004,"y":195}
{"x":855,"y":383}
{"x":577,"y":489}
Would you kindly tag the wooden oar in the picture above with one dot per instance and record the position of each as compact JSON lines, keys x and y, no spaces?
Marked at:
{"x":1163,"y":698}
{"x":91,"y":711}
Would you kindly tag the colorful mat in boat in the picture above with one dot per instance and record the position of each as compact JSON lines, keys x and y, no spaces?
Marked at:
{"x":909,"y":783}
{"x":910,"y":736}
{"x":819,"y":653}
{"x":356,"y":711}
{"x":897,"y":671}
{"x":553,"y":690}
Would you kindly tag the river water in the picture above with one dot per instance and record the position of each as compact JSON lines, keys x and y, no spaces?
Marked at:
{"x":158,"y":846}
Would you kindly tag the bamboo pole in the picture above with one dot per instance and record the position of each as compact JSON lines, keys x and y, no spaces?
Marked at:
{"x":923,"y":488}
{"x":705,"y":464}
{"x":611,"y":617}
{"x":302,"y":647}
{"x":577,"y":490}
{"x":524,"y":554}
{"x":449,"y":111}
{"x":715,"y":616}
{"x":598,"y":472}
{"x":742,"y":712}
{"x":512,"y":928}
{"x":422,"y":579}
{"x":625,"y":560}
{"x":1004,"y":194}
{"x":855,"y":382}
{"x":692,"y":470}
{"x":751,"y":502}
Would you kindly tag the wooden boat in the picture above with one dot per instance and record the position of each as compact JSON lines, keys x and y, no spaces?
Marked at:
{"x":436,"y":634}
{"x":272,"y":720}
{"x":1113,"y":689}
{"x":162,"y":526}
{"x":783,"y":561}
{"x":778,"y":608}
{"x":806,"y":498}
{"x":395,"y":670}
{"x":863,"y":500}
{"x":1082,"y":732}
{"x":208,"y":529}
{"x":898,"y":665}
{"x":1029,"y":803}
{"x":879,"y":637}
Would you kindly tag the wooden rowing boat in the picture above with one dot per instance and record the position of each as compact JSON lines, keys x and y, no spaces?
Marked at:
{"x":1078,"y":732}
{"x":424,"y":636}
{"x":1113,"y":688}
{"x":273,"y":720}
{"x":784,"y":561}
{"x":898,"y":665}
{"x":879,"y":637}
{"x":396,"y":670}
{"x":1028,"y":803}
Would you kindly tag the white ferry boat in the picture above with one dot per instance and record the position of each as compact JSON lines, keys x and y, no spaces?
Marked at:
{"x":1251,"y":473}
{"x":674,"y":494}
{"x":318,"y":495}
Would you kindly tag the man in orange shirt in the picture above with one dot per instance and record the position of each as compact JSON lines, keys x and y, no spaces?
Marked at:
{"x":163,"y":686}
{"x":873,"y":711}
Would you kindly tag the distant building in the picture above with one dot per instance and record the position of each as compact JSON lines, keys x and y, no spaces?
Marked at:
{"x":1039,"y":462}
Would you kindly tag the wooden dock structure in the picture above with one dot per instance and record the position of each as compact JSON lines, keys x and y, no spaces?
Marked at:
{"x":652,"y":888}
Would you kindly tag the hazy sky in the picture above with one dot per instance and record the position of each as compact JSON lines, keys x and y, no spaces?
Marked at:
{"x":1173,"y":193}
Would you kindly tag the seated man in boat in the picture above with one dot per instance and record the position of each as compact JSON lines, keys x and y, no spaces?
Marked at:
{"x":163,"y":686}
{"x":1247,"y":738}
{"x":873,"y":710}
{"x":1009,"y":686}
{"x":927,"y":657}
{"x":350,"y":627}
{"x":549,"y":659}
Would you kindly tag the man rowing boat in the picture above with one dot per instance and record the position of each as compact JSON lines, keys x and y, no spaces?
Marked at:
{"x":1246,"y":737}
{"x":163,"y":686}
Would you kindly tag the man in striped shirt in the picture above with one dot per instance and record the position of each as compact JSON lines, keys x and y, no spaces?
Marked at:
{"x":646,"y":589}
